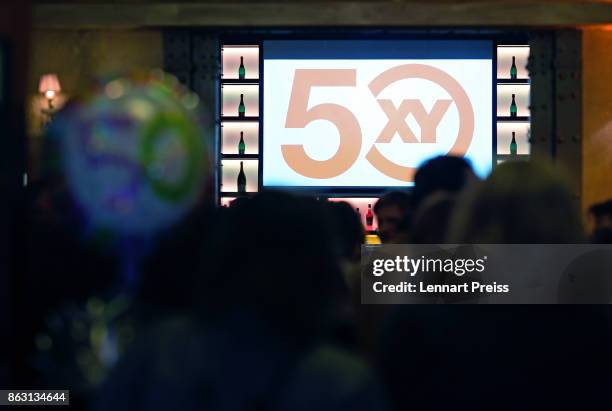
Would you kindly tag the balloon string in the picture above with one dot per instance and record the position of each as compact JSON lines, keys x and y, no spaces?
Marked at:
{"x":132,"y":252}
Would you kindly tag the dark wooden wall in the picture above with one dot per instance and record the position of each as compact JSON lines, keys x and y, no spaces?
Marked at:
{"x":555,"y":68}
{"x":193,"y":57}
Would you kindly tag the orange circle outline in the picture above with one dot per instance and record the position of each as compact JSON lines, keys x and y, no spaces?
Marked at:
{"x":453,"y":88}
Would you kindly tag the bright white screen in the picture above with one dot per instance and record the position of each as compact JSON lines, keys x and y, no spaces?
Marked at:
{"x":320,"y":138}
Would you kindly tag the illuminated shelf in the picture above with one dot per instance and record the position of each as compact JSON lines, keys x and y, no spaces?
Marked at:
{"x":236,"y":194}
{"x":511,"y":157}
{"x":512,"y":81}
{"x":245,"y":82}
{"x":231,"y":127}
{"x":239,"y":119}
{"x":240,"y":156}
{"x":508,"y":119}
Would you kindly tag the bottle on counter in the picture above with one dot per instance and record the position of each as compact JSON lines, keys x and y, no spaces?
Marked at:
{"x":513,"y":108}
{"x":241,"y":69}
{"x":241,"y":145}
{"x":242,"y":108}
{"x":513,"y":70}
{"x":369,"y":217}
{"x":513,"y":146}
{"x":241,"y":180}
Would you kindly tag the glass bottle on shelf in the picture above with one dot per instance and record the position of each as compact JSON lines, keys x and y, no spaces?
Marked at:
{"x":369,"y":217}
{"x":241,"y":145}
{"x":513,"y":147}
{"x":242,"y":108}
{"x":513,"y":70}
{"x":241,"y":180}
{"x":513,"y":108}
{"x":241,"y":69}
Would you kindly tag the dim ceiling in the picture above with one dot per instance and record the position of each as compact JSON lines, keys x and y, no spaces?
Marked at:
{"x":244,"y":13}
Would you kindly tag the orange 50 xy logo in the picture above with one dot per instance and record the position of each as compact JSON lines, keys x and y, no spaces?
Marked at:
{"x":299,"y":115}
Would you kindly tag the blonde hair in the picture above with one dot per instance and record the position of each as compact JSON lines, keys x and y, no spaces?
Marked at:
{"x":520,"y":202}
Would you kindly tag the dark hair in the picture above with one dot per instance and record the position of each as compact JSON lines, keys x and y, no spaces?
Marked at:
{"x":399,"y":199}
{"x":273,"y":258}
{"x":442,"y":173}
{"x":602,"y":236}
{"x":170,"y":270}
{"x":346,"y":228}
{"x":238,"y":202}
{"x":432,"y":219}
{"x":601,"y":209}
{"x":526,"y":342}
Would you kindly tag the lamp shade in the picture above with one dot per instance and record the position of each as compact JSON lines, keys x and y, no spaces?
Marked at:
{"x":49,"y":82}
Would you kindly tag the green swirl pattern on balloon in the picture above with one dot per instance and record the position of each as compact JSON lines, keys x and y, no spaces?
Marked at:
{"x":186,"y":135}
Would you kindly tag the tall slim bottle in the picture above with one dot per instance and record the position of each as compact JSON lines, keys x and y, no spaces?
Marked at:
{"x":513,"y":109}
{"x":242,"y":108}
{"x":513,"y":147}
{"x":241,"y":180}
{"x":513,"y":70}
{"x":241,"y":69}
{"x":369,"y":217}
{"x":241,"y":145}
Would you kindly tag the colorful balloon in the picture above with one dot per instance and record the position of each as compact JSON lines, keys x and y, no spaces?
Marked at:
{"x":135,"y":156}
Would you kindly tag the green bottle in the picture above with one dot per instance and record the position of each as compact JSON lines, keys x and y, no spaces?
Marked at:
{"x":241,"y":180}
{"x":513,"y":71}
{"x":513,"y":109}
{"x":241,"y":69}
{"x":513,"y":147}
{"x":241,"y":145}
{"x":242,"y":109}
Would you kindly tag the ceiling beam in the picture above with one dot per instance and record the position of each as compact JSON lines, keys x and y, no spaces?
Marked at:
{"x":355,"y":13}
